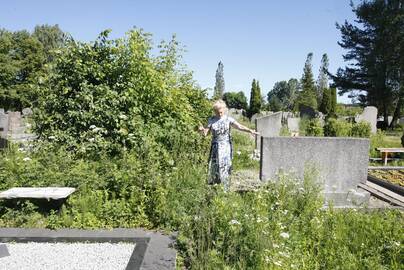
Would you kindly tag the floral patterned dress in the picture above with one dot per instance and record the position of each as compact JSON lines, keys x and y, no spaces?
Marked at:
{"x":221,"y":152}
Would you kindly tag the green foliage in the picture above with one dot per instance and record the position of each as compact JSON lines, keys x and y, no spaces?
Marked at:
{"x":402,"y":140}
{"x":322,"y":81}
{"x":314,"y":128}
{"x":284,"y":131}
{"x":281,"y":226}
{"x":337,"y":128}
{"x":255,"y":99}
{"x":112,"y":95}
{"x":374,"y":47}
{"x":347,"y":110}
{"x":361,"y":129}
{"x":235,"y":100}
{"x":307,"y":96}
{"x":283,"y":95}
{"x":333,"y":108}
{"x":22,"y":64}
{"x":326,"y":103}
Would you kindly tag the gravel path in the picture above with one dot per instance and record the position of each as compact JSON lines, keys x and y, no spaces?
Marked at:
{"x":58,"y":256}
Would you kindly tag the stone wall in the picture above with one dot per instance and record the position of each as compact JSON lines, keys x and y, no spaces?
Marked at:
{"x":341,"y":162}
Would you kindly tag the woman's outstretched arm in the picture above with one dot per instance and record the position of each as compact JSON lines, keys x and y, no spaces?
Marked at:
{"x":240,"y":127}
{"x":204,"y":131}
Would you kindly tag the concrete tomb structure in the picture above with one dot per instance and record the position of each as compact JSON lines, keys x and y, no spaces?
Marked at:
{"x":15,"y":127}
{"x":342,"y":164}
{"x":369,"y":115}
{"x":268,"y":126}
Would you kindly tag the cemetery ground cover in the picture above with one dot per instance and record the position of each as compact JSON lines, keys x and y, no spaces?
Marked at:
{"x":280,"y":226}
{"x":119,"y":125}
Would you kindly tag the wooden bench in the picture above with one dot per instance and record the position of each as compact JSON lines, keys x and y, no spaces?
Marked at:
{"x":385,"y":151}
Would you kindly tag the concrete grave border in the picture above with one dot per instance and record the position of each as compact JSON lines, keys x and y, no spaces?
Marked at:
{"x":153,"y":250}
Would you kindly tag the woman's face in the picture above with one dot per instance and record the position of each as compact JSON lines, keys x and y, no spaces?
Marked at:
{"x":220,"y":111}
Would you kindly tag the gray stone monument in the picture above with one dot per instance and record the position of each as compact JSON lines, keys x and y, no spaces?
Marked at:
{"x":342,"y":164}
{"x":293,"y":124}
{"x":236,"y":113}
{"x":268,"y":126}
{"x":369,"y":115}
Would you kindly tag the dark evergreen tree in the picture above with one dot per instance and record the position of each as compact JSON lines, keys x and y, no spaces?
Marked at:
{"x":219,"y":85}
{"x":333,"y":97}
{"x":255,"y":99}
{"x":308,"y":97}
{"x":375,"y":48}
{"x":326,"y":103}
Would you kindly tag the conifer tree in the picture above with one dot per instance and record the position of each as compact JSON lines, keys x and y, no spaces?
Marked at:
{"x":307,"y":96}
{"x":322,"y":81}
{"x":219,"y":85}
{"x":255,"y":99}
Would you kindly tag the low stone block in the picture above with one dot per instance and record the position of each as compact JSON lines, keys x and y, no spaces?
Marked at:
{"x":54,"y":193}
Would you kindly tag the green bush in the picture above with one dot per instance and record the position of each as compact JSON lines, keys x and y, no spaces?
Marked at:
{"x":314,"y":128}
{"x":361,"y":129}
{"x":337,"y":128}
{"x":113,"y":95}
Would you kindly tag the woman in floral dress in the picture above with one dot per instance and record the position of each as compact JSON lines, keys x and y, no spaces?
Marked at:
{"x":221,"y":150}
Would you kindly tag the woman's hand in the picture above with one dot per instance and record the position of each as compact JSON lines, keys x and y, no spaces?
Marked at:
{"x":202,"y":130}
{"x":254,"y":132}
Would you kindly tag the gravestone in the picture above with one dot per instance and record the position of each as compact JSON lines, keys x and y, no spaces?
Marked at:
{"x":293,"y":124}
{"x":3,"y":125}
{"x":389,"y":119}
{"x":54,"y":193}
{"x":342,"y":164}
{"x":236,"y":113}
{"x":268,"y":126}
{"x":369,"y":115}
{"x":401,"y":121}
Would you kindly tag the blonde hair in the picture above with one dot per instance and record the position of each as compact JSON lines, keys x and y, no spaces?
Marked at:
{"x":219,"y":104}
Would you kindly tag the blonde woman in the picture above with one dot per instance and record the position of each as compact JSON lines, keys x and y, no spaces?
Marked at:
{"x":221,"y":152}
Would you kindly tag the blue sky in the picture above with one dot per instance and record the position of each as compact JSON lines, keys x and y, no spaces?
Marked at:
{"x":266,"y":40}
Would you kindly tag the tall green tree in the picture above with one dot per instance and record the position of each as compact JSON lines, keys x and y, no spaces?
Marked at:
{"x":283,"y":95}
{"x":255,"y":99}
{"x":375,"y":52}
{"x":326,"y":102}
{"x":322,"y":81}
{"x":235,"y":100}
{"x":22,"y":63}
{"x":219,"y":84}
{"x":308,"y":97}
{"x":333,"y":98}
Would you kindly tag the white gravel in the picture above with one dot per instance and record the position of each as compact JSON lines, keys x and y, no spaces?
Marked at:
{"x":72,"y":256}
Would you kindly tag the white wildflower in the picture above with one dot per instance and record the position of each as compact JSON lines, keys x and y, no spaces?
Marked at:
{"x":284,"y":235}
{"x":275,"y":246}
{"x":26,"y":159}
{"x":238,"y":152}
{"x":52,"y":137}
{"x":284,"y":254}
{"x":123,"y":117}
{"x":92,"y":126}
{"x":234,"y":222}
{"x":91,"y":139}
{"x":277,"y":263}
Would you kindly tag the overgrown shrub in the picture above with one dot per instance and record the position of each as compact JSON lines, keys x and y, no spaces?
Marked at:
{"x":314,"y":128}
{"x":113,"y":95}
{"x":337,"y":128}
{"x":361,"y":129}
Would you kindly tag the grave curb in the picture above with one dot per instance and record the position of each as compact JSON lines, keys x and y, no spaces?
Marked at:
{"x":153,"y":249}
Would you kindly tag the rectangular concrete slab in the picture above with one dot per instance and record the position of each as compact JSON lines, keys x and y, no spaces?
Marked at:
{"x":341,"y":162}
{"x":54,"y":193}
{"x":268,"y":126}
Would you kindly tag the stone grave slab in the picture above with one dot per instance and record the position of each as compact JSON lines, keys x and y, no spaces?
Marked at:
{"x":54,"y":193}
